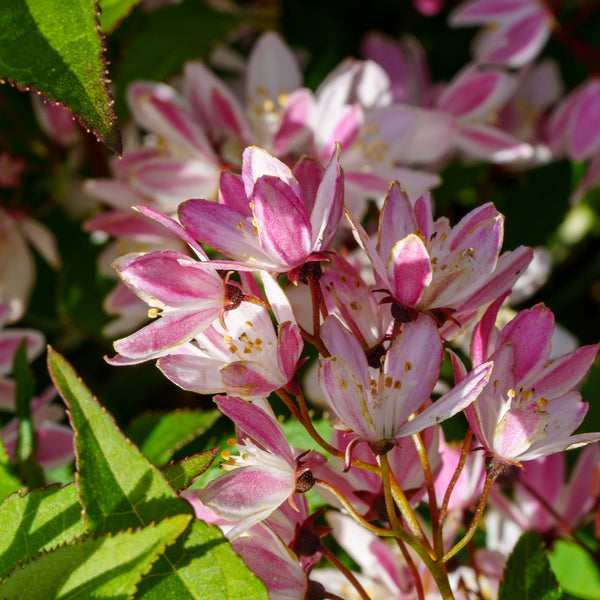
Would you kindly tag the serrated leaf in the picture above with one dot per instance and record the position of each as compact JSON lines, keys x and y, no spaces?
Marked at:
{"x":56,"y":48}
{"x":528,"y":575}
{"x":171,"y":37}
{"x":108,"y":566}
{"x":182,"y":474}
{"x":113,"y":12}
{"x":575,"y":570}
{"x":201,"y":565}
{"x":117,"y":485}
{"x":36,"y":521}
{"x":159,"y":436}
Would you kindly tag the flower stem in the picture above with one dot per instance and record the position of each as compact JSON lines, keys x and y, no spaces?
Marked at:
{"x":487,"y":486}
{"x":431,"y":495}
{"x":459,"y":467}
{"x":419,"y":543}
{"x":304,"y":417}
{"x":393,"y":489}
{"x":354,"y":514}
{"x":413,"y":569}
{"x":333,"y":559}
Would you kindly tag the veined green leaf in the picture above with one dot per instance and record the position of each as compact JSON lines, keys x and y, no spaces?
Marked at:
{"x":201,"y":565}
{"x":56,"y":48}
{"x":107,"y":566}
{"x":36,"y":521}
{"x":183,"y":473}
{"x":159,"y":436}
{"x":528,"y":575}
{"x":118,"y":487}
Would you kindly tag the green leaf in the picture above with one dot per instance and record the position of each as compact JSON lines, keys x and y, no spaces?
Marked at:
{"x":56,"y":48}
{"x":159,"y":436}
{"x":118,"y":487}
{"x":298,"y":437}
{"x":9,"y":482}
{"x":182,"y":474}
{"x":201,"y":565}
{"x":575,"y":570}
{"x":37,"y":521}
{"x":113,"y":12}
{"x":171,"y":37}
{"x":108,"y":566}
{"x":527,"y":575}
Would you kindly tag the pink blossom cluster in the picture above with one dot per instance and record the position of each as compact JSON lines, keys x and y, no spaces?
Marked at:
{"x":271,"y":272}
{"x":271,"y":267}
{"x":391,"y":121}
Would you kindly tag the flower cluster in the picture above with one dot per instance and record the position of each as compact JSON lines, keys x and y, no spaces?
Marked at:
{"x":288,"y":257}
{"x":241,"y":324}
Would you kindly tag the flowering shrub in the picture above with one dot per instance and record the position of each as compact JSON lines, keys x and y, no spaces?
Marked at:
{"x":371,"y":296}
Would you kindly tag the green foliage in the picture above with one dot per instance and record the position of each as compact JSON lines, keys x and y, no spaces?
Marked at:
{"x":159,"y":436}
{"x":134,"y":492}
{"x":113,"y":12}
{"x":534,"y":204}
{"x":56,"y":48}
{"x":201,"y":565}
{"x":171,"y":36}
{"x":183,"y":473}
{"x":9,"y":482}
{"x":528,"y":575}
{"x":120,"y":489}
{"x":104,"y":566}
{"x":575,"y":570}
{"x":36,"y":521}
{"x":25,"y":463}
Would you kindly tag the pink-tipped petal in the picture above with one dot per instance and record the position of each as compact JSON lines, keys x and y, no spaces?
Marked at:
{"x":530,"y":334}
{"x":344,"y":396}
{"x":170,"y":330}
{"x":255,"y":423}
{"x":396,"y":221}
{"x":409,"y":270}
{"x":283,"y":225}
{"x":451,"y":403}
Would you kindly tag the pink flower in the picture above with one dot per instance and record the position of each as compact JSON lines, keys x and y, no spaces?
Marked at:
{"x":573,"y":129}
{"x":516,"y":31}
{"x":278,"y":109}
{"x":244,"y":355}
{"x":54,"y":441}
{"x":529,"y":408}
{"x":571,"y":498}
{"x":426,"y":265}
{"x":376,"y":402}
{"x":261,"y":477}
{"x":187,"y":299}
{"x":17,"y":265}
{"x":405,"y":64}
{"x":271,"y":217}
